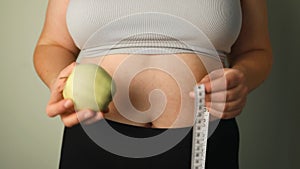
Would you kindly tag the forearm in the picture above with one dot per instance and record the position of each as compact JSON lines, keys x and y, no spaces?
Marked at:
{"x":256,"y":66}
{"x":49,"y":60}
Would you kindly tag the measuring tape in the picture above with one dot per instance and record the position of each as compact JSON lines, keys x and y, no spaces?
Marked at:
{"x":200,"y":129}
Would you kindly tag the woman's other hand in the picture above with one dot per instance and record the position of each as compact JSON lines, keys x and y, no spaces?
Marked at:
{"x":57,"y":105}
{"x":226,"y":92}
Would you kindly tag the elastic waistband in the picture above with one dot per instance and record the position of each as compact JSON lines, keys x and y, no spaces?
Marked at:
{"x":101,"y":51}
{"x":140,"y":132}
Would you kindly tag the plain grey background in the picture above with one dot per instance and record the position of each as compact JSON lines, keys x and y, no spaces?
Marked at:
{"x":30,"y":140}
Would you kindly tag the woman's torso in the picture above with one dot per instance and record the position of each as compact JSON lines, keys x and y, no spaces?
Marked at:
{"x":167,"y":62}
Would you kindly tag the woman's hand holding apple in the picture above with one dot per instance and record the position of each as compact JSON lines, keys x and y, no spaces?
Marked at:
{"x":58,"y":106}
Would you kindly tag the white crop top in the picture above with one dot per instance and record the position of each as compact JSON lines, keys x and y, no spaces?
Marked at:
{"x":99,"y":27}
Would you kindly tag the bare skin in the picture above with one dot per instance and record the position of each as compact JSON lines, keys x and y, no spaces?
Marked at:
{"x":251,"y":60}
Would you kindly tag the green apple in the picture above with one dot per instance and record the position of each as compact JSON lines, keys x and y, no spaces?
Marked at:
{"x":90,"y":87}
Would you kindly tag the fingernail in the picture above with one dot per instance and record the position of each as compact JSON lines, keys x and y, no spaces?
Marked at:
{"x":68,"y":104}
{"x":88,"y":115}
{"x":205,"y":79}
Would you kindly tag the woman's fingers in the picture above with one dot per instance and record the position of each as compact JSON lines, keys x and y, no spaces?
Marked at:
{"x":227,"y":95}
{"x":226,"y":92}
{"x":98,"y":116}
{"x":71,"y":119}
{"x":219,"y":80}
{"x":224,"y":115}
{"x":215,"y":85}
{"x":227,"y":106}
{"x":57,"y":104}
{"x":84,"y":116}
{"x":60,"y":107}
{"x":59,"y":84}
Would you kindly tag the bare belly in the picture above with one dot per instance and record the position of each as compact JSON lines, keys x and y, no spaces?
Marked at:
{"x":153,"y":90}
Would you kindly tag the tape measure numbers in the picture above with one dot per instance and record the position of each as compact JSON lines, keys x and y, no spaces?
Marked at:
{"x":200,"y":129}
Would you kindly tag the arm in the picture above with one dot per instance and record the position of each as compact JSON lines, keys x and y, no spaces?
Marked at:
{"x":250,"y":63}
{"x":252,"y":53}
{"x":54,"y":57}
{"x":55,"y":48}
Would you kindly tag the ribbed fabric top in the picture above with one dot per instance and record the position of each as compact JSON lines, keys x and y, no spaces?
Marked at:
{"x":100,"y":27}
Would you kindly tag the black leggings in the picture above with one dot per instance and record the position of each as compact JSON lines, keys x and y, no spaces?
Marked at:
{"x":80,"y":152}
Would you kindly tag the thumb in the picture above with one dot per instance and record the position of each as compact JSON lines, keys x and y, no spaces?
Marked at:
{"x":205,"y":79}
